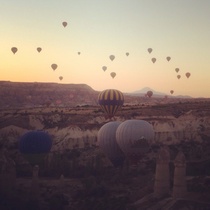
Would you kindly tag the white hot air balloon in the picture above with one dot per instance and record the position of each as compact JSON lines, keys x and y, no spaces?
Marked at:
{"x":134,"y":138}
{"x":107,"y":142}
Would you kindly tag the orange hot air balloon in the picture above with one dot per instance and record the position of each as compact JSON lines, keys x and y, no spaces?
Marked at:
{"x":113,"y":74}
{"x":64,"y":24}
{"x":39,"y":49}
{"x":112,"y":57}
{"x":188,"y":74}
{"x":149,"y":50}
{"x":178,"y":76}
{"x":171,"y":91}
{"x":110,"y":101}
{"x":177,"y":70}
{"x":54,"y":66}
{"x":14,"y":49}
{"x":153,"y":60}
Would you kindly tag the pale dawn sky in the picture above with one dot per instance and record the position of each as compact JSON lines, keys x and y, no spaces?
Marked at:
{"x":100,"y":28}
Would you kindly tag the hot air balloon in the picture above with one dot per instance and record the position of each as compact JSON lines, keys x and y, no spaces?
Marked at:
{"x":168,"y":58}
{"x":171,"y":91}
{"x":112,"y":57}
{"x":177,"y":70}
{"x":188,"y":74}
{"x":149,"y":50}
{"x":110,"y":101}
{"x":39,"y":49}
{"x":60,"y":78}
{"x":79,"y":53}
{"x":149,"y":93}
{"x":127,"y":54}
{"x":107,"y":142}
{"x":104,"y":68}
{"x":34,"y":145}
{"x":113,"y":74}
{"x":178,"y":76}
{"x":153,"y":60}
{"x":64,"y":24}
{"x":14,"y":49}
{"x":54,"y":66}
{"x":134,"y":138}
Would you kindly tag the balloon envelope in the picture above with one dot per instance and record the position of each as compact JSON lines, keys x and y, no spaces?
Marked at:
{"x":39,"y":49}
{"x":14,"y":49}
{"x":177,"y":70}
{"x":171,"y":91}
{"x":34,"y":145}
{"x":134,"y":138}
{"x":153,"y":60}
{"x":188,"y":74}
{"x":127,"y":54}
{"x":64,"y":24}
{"x":178,"y":76}
{"x":113,"y":74}
{"x":104,"y":68}
{"x":60,"y":78}
{"x":110,"y":101}
{"x":149,"y":50}
{"x":112,"y":57}
{"x":107,"y":142}
{"x":149,"y":93}
{"x":54,"y":66}
{"x":168,"y":58}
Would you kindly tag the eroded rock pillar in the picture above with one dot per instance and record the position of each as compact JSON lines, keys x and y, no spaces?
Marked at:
{"x":180,"y":186}
{"x":162,"y":176}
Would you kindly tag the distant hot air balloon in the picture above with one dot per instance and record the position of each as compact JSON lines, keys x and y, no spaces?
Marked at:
{"x":188,"y":74}
{"x":14,"y":49}
{"x":112,"y":57}
{"x":153,"y":60}
{"x":177,"y":70}
{"x":107,"y":142}
{"x":60,"y":78}
{"x":79,"y":53}
{"x":134,"y":137}
{"x":149,"y":50}
{"x":127,"y":54}
{"x":171,"y":91}
{"x":178,"y":76}
{"x":149,"y":93}
{"x":64,"y":24}
{"x":54,"y":66}
{"x":104,"y":68}
{"x":110,"y":101}
{"x":168,"y":58}
{"x":113,"y":74}
{"x":34,"y":145}
{"x":39,"y":49}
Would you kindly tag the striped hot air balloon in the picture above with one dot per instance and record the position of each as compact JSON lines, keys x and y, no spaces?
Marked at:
{"x":110,"y":101}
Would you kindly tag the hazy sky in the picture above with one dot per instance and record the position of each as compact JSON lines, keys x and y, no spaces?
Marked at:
{"x":98,"y":28}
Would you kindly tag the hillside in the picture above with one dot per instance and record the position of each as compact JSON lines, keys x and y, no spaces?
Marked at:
{"x":26,"y":94}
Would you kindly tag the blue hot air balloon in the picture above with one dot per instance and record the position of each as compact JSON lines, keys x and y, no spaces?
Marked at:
{"x":34,"y":145}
